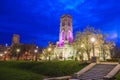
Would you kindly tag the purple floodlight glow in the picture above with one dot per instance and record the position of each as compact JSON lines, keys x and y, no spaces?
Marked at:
{"x":63,"y":35}
{"x":61,"y":44}
{"x":70,"y":36}
{"x":62,"y":38}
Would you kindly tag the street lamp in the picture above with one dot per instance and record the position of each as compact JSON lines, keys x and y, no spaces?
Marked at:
{"x":93,"y":40}
{"x":35,"y":50}
{"x":6,"y":45}
{"x":82,"y":45}
{"x":5,"y":52}
{"x":37,"y":47}
{"x":1,"y":55}
{"x":36,"y":54}
{"x":18,"y":50}
{"x":94,"y":59}
{"x":49,"y":49}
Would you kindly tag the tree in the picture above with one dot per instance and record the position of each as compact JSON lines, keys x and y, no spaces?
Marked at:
{"x":107,"y":46}
{"x":16,"y":51}
{"x":40,"y":56}
{"x":115,"y":52}
{"x":84,"y":38}
{"x":48,"y":52}
{"x":45,"y":53}
{"x":79,"y":46}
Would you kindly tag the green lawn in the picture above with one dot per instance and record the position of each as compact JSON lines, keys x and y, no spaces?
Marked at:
{"x":118,"y":77}
{"x":16,"y":74}
{"x":21,"y":70}
{"x":9,"y":72}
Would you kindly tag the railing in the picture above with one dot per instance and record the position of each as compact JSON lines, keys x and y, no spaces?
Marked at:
{"x":84,"y":70}
{"x":113,"y":72}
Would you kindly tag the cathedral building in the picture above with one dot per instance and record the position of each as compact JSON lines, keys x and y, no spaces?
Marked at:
{"x":66,"y":33}
{"x":64,"y":49}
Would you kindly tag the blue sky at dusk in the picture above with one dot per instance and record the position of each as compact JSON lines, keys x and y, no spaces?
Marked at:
{"x":39,"y":20}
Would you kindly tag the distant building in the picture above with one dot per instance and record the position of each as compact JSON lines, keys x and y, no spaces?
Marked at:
{"x":4,"y":52}
{"x":26,"y":51}
{"x":19,"y":51}
{"x":15,"y":39}
{"x":2,"y":49}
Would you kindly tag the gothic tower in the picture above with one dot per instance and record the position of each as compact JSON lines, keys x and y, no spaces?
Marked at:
{"x":66,"y":33}
{"x":15,"y":39}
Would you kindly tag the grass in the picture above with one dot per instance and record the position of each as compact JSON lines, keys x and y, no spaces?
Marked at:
{"x":8,"y":72}
{"x":60,"y":68}
{"x":117,"y":76}
{"x":21,"y":70}
{"x":16,"y":74}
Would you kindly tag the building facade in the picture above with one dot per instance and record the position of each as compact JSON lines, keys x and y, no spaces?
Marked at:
{"x":15,"y":39}
{"x":66,"y":31}
{"x":64,"y":49}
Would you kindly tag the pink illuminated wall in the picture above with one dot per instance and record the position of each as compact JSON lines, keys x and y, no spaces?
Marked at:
{"x":65,"y":30}
{"x":70,"y":37}
{"x":62,"y":38}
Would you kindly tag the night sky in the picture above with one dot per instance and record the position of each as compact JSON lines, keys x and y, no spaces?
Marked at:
{"x":38,"y":21}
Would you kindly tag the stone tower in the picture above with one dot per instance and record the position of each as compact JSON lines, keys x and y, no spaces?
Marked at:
{"x":66,"y":33}
{"x":15,"y":39}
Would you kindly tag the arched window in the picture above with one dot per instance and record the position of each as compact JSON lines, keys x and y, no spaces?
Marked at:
{"x":63,"y":23}
{"x":70,"y":36}
{"x":69,"y":24}
{"x":69,"y":33}
{"x":63,"y":35}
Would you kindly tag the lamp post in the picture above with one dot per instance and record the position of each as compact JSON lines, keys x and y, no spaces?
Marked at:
{"x":94,"y":59}
{"x":35,"y":54}
{"x":18,"y":50}
{"x":5,"y":52}
{"x":93,"y":40}
{"x":49,"y":49}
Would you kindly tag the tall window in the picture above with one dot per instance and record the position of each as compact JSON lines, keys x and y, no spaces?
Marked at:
{"x":69,"y":34}
{"x":63,"y":35}
{"x":69,"y":24}
{"x":63,"y":23}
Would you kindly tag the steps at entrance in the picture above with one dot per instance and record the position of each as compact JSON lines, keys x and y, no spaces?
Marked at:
{"x":97,"y":72}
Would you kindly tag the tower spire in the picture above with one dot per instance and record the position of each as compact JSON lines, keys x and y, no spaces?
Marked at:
{"x":66,"y":33}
